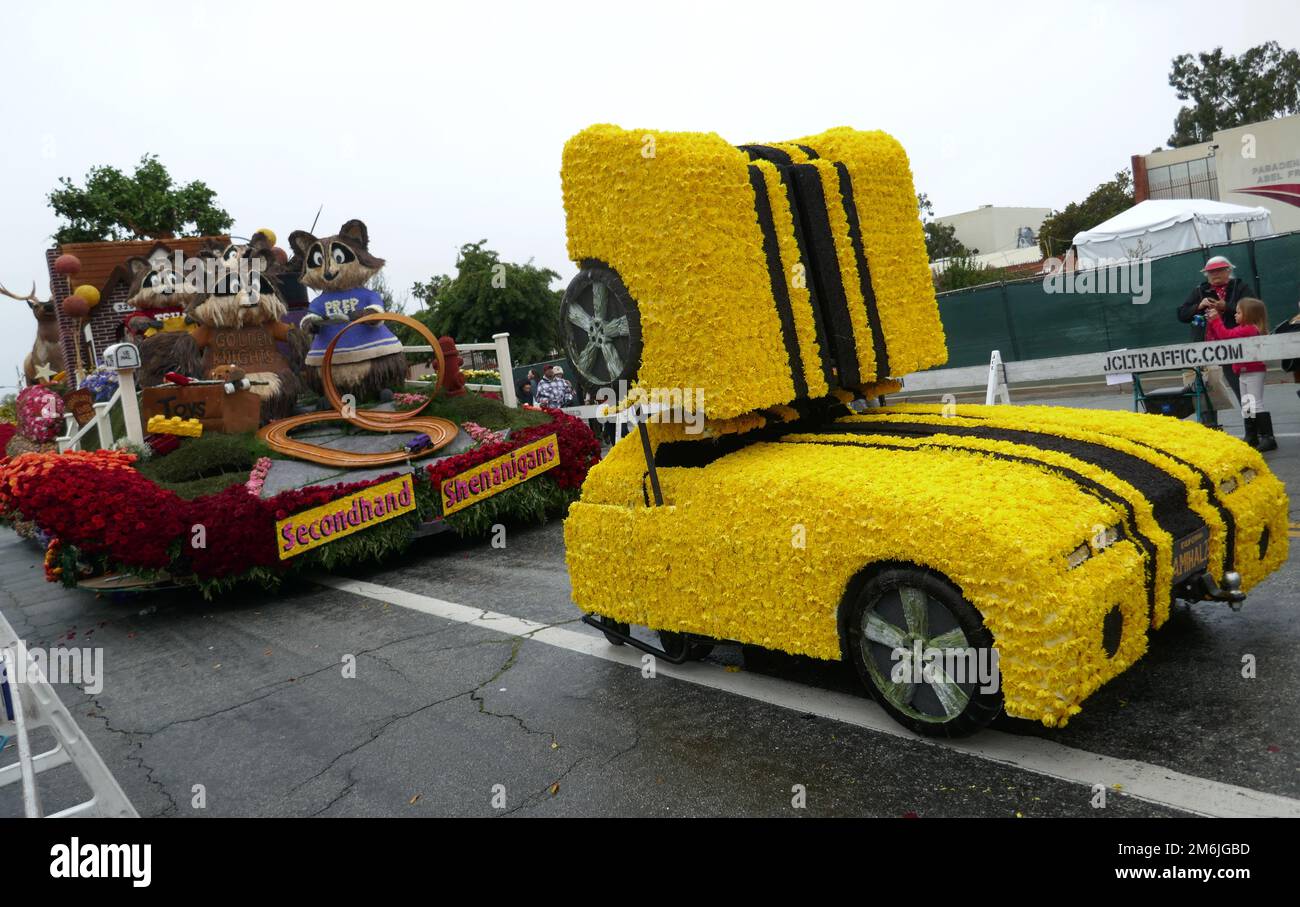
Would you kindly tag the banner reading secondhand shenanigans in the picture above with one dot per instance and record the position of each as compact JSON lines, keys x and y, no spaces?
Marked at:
{"x":367,"y":507}
{"x":486,"y":479}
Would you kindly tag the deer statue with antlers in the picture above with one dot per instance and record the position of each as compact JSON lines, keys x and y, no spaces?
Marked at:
{"x":46,"y":358}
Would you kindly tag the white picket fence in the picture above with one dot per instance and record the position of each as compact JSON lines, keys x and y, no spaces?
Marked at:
{"x":505,"y":366}
{"x":33,"y":705}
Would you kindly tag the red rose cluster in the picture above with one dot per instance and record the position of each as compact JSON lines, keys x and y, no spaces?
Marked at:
{"x":239,"y":529}
{"x":97,"y":502}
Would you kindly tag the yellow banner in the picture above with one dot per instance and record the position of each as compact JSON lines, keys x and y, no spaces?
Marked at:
{"x":321,"y":525}
{"x":506,"y":471}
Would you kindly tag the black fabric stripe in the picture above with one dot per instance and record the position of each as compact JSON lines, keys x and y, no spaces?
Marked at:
{"x":1212,"y":492}
{"x":1088,"y":485}
{"x":864,"y":273}
{"x":767,"y":153}
{"x":1168,"y":496}
{"x":825,"y":272}
{"x":775,"y":273}
{"x":1207,"y":484}
{"x":812,"y":155}
{"x":814,"y":298}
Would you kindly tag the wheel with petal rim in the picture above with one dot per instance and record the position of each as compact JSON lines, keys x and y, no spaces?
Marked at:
{"x":620,"y":627}
{"x":905,"y":610}
{"x":677,"y":645}
{"x":600,"y":325}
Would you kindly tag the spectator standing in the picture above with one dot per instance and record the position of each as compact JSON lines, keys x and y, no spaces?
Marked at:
{"x":527,"y":387}
{"x":570,"y":395}
{"x":1252,"y":318}
{"x":552,"y":391}
{"x":1221,"y":292}
{"x":1291,"y":326}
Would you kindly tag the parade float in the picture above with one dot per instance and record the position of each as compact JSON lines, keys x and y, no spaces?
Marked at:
{"x":788,"y":281}
{"x":173,"y":439}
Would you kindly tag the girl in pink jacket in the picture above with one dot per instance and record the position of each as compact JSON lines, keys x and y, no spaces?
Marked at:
{"x":1252,"y":321}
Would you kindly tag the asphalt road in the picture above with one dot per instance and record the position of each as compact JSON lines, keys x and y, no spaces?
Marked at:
{"x":477,"y":693}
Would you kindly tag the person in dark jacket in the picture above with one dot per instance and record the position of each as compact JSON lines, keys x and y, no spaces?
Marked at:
{"x":1220,"y":291}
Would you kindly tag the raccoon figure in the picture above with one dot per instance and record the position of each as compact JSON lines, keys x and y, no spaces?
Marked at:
{"x":240,"y":322}
{"x":236,"y":326}
{"x":369,"y":358}
{"x":159,"y":297}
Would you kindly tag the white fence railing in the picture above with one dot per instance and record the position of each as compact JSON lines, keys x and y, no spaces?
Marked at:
{"x":102,"y":424}
{"x":505,"y":365}
{"x":1270,"y":347}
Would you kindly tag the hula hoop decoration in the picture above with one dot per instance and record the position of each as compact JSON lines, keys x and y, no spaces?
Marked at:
{"x":441,"y":431}
{"x":327,"y":378}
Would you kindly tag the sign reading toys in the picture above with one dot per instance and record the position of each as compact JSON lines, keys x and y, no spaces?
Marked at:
{"x":506,"y":471}
{"x":361,"y":510}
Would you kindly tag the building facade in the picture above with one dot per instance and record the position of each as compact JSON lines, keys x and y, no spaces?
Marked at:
{"x":994,"y":229}
{"x":1257,"y":165}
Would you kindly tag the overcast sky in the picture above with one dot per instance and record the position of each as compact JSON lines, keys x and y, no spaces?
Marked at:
{"x":439,"y":124}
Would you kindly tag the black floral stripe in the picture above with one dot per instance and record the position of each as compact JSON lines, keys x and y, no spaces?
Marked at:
{"x":879,"y":345}
{"x":825,"y":271}
{"x":1090,"y":486}
{"x":1208,"y":485}
{"x":776,"y":274}
{"x":783,"y":164}
{"x":1167,"y":494}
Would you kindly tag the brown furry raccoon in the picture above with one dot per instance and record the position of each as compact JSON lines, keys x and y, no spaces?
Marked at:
{"x":158,"y":296}
{"x":369,"y":358}
{"x":239,"y":324}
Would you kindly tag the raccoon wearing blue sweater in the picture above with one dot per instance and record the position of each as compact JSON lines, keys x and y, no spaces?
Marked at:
{"x":369,"y":358}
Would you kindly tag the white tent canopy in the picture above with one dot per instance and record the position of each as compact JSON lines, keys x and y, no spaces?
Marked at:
{"x":1163,"y":226}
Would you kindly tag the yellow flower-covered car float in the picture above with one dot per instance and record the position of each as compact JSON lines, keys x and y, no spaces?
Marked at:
{"x":784,"y":281}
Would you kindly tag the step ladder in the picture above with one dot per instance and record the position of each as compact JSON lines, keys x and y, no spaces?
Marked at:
{"x":27,"y":706}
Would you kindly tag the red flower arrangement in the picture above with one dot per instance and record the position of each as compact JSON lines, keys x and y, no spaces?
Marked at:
{"x":239,"y":529}
{"x":99,"y":504}
{"x":96,"y":501}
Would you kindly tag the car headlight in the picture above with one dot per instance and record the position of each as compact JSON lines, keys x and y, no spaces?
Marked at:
{"x":1079,"y":555}
{"x":1100,"y":541}
{"x":1230,"y":484}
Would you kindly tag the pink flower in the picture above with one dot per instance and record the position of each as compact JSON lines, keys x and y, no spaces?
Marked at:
{"x":257,"y":478}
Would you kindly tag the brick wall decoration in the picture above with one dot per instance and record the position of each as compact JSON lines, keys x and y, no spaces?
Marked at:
{"x":103,"y":266}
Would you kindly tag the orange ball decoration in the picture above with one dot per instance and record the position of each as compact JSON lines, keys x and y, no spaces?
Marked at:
{"x":67,"y":264}
{"x":76,"y":307}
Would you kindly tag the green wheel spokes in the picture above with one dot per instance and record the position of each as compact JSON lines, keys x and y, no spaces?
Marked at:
{"x":601,"y":328}
{"x":893,"y":630}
